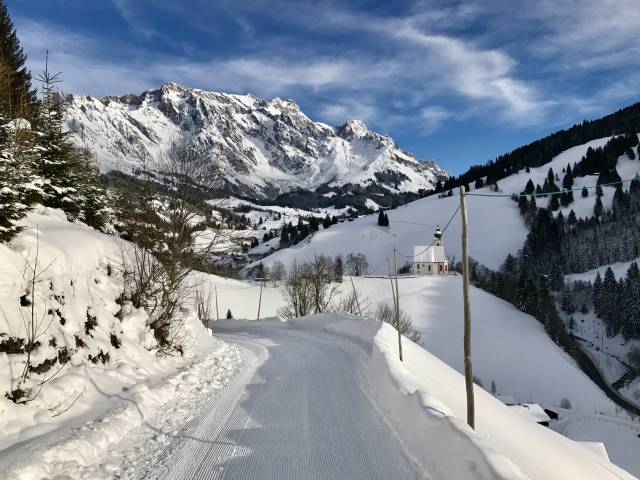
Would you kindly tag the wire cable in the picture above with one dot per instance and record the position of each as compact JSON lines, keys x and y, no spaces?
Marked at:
{"x":564,"y":190}
{"x":434,"y":240}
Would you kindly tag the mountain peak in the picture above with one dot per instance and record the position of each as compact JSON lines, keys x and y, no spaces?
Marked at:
{"x":352,"y":129}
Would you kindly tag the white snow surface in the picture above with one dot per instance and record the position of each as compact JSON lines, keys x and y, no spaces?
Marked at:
{"x":495,"y":229}
{"x":619,"y":270}
{"x":87,"y":406}
{"x":362,"y":413}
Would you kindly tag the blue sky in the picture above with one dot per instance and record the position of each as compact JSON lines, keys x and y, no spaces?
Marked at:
{"x":457,"y":82}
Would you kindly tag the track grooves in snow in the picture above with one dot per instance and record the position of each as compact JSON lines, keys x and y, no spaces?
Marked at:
{"x":298,"y":412}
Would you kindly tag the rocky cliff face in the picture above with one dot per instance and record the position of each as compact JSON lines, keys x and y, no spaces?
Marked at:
{"x":261,"y":148}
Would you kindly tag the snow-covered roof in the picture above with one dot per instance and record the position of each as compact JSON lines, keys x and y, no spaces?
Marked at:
{"x":532,"y":411}
{"x":426,"y":253}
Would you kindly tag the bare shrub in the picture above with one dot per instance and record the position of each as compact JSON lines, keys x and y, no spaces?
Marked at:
{"x":354,"y":303}
{"x":36,"y":323}
{"x":387,"y":314}
{"x":203,"y":297}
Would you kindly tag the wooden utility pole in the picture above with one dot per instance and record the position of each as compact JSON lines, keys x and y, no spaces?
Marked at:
{"x":216,"y":290}
{"x":395,"y":263}
{"x":393,"y":290}
{"x":260,"y":299}
{"x":355,"y":292}
{"x":468,"y":373}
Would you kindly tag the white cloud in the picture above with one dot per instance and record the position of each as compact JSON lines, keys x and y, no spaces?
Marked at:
{"x":602,"y":33}
{"x":433,"y":117}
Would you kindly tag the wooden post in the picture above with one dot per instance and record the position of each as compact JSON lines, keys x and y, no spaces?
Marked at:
{"x":217,"y":314}
{"x":393,"y":290}
{"x":260,"y":299}
{"x":395,"y":263}
{"x":468,"y":373}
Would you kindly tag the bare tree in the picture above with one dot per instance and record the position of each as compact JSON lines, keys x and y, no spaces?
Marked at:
{"x":387,"y":314}
{"x":173,"y":237}
{"x":278,"y":272}
{"x":320,"y":275}
{"x":357,"y":264}
{"x":297,"y":293}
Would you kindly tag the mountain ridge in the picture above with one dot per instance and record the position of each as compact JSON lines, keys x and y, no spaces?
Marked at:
{"x":262,"y":148}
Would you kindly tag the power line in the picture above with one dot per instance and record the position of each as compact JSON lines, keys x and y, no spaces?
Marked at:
{"x":434,"y":240}
{"x":564,"y":190}
{"x":415,"y":223}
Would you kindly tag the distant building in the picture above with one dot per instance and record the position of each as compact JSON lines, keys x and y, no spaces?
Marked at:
{"x":430,"y":259}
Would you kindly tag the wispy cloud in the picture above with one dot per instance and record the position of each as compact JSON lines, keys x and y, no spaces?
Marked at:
{"x":423,"y":68}
{"x":127,"y":11}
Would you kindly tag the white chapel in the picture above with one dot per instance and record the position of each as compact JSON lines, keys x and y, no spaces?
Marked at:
{"x":430,"y":259}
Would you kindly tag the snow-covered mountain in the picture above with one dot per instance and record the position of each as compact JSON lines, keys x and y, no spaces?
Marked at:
{"x":261,"y":148}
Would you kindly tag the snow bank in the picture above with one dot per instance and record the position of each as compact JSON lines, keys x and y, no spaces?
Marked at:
{"x":509,"y":346}
{"x":112,"y":364}
{"x":424,"y":401}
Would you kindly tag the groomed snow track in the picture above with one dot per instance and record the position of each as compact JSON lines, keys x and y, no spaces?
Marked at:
{"x":301,"y":409}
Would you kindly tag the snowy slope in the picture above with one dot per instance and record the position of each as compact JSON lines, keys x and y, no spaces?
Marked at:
{"x":619,"y":270}
{"x":260,"y":147}
{"x":496,"y":227}
{"x":113,"y":362}
{"x":514,"y":446}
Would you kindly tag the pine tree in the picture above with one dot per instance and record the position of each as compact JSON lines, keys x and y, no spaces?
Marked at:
{"x":530,"y":187}
{"x":338,"y":269}
{"x":72,"y":180}
{"x":17,"y":90}
{"x":609,"y":301}
{"x":585,"y":192}
{"x":631,"y":302}
{"x":229,"y":314}
{"x":598,"y":209}
{"x":284,"y":235}
{"x":597,"y":295}
{"x":383,"y":220}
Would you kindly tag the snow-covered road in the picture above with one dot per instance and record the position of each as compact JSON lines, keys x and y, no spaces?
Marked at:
{"x":300,"y":410}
